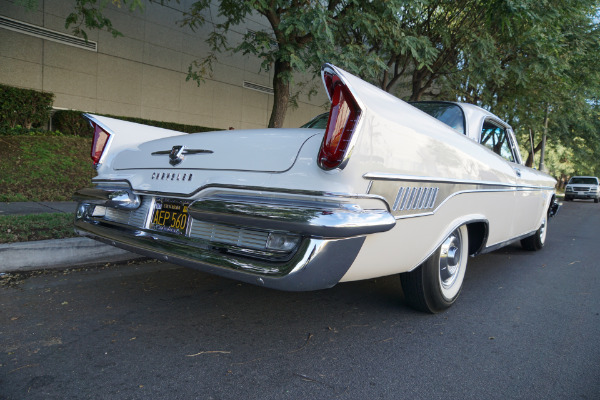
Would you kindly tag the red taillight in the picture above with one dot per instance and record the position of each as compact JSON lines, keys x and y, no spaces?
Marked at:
{"x":99,"y":142}
{"x":343,"y":117}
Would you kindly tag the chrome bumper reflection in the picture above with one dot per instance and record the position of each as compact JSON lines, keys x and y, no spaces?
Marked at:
{"x":312,"y":218}
{"x":331,"y":217}
{"x":316,"y":264}
{"x":120,"y":197}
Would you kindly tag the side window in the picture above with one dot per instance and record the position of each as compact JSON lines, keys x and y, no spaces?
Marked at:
{"x":496,"y":139}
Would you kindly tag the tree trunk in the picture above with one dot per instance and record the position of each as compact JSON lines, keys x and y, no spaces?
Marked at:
{"x":529,"y":162}
{"x":543,"y":149}
{"x":417,"y":83}
{"x":281,"y":93}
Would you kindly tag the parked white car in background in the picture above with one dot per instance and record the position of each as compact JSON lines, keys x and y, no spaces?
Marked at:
{"x":382,"y":188}
{"x":583,"y":187}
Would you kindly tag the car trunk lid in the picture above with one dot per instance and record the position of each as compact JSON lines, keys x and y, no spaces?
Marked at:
{"x":266,"y":150}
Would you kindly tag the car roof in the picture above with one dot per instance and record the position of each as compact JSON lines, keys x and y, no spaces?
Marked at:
{"x":474,"y":117}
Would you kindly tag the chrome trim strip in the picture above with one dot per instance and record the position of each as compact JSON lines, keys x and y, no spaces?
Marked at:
{"x":369,"y":187}
{"x":433,"y":198}
{"x":424,"y":197}
{"x":318,"y":264}
{"x":398,"y":198}
{"x":406,"y":197}
{"x":397,"y":177}
{"x":184,"y":152}
{"x":397,"y":217}
{"x":415,"y":203}
{"x":413,"y":215}
{"x":300,"y":192}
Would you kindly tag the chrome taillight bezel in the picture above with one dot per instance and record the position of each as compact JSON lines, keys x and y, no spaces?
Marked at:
{"x":99,"y":126}
{"x":336,"y":86}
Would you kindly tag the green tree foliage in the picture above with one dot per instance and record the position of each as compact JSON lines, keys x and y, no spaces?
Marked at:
{"x":87,"y":14}
{"x":412,"y":42}
{"x":538,"y":72}
{"x":532,"y":62}
{"x":299,"y":36}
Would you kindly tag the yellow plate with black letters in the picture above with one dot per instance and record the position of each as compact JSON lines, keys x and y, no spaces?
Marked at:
{"x":170,"y":215}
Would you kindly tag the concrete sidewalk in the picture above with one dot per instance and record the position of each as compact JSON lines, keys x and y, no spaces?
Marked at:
{"x":37,"y":207}
{"x":55,"y":253}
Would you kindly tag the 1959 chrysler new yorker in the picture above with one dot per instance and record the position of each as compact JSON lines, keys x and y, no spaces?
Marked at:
{"x":384,"y":188}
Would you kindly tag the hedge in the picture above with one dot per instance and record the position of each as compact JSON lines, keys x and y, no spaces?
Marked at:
{"x":25,"y":111}
{"x":168,"y":125}
{"x":24,"y":107}
{"x":71,"y":122}
{"x":22,"y":131}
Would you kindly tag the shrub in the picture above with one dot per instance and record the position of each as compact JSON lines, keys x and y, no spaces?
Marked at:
{"x":167,"y":125}
{"x":25,"y":111}
{"x":24,"y":107}
{"x":19,"y":130}
{"x":71,"y":122}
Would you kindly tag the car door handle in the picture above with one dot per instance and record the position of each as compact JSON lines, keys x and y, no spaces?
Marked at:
{"x":518,"y":172}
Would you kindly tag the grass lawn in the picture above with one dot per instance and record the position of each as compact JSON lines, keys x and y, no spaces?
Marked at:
{"x":24,"y":228}
{"x":43,"y":168}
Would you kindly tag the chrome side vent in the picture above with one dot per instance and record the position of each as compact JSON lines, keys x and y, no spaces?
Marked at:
{"x":415,"y":198}
{"x":48,"y":34}
{"x":257,"y":87}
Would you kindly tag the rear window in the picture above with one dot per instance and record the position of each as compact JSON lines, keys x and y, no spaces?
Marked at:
{"x":583,"y":181}
{"x":448,"y":113}
{"x":318,"y":122}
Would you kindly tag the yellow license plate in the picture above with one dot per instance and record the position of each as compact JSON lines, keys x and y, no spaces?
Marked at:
{"x":170,"y":215}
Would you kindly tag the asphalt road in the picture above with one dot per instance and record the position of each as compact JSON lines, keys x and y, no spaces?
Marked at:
{"x":525,"y":327}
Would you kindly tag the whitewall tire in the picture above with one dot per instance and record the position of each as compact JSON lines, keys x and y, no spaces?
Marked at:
{"x":536,"y":241}
{"x":435,"y":285}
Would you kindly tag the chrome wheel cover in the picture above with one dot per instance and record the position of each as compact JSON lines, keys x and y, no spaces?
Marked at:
{"x":452,"y":264}
{"x":542,"y":231}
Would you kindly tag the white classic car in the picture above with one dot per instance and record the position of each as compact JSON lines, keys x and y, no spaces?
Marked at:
{"x":384,"y":188}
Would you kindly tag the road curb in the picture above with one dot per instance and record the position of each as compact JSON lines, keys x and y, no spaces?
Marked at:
{"x":58,"y":253}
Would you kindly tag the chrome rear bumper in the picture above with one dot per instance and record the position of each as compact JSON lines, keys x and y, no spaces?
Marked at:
{"x":317,"y":264}
{"x":330,"y":234}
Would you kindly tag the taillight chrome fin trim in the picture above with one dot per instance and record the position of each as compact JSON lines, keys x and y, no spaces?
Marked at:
{"x":94,"y":121}
{"x":332,"y":76}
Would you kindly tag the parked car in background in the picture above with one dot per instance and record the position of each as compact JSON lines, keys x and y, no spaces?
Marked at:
{"x":583,"y":187}
{"x":374,"y":188}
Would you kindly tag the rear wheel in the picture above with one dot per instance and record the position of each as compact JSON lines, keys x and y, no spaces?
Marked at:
{"x":536,"y":241}
{"x":435,"y":285}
